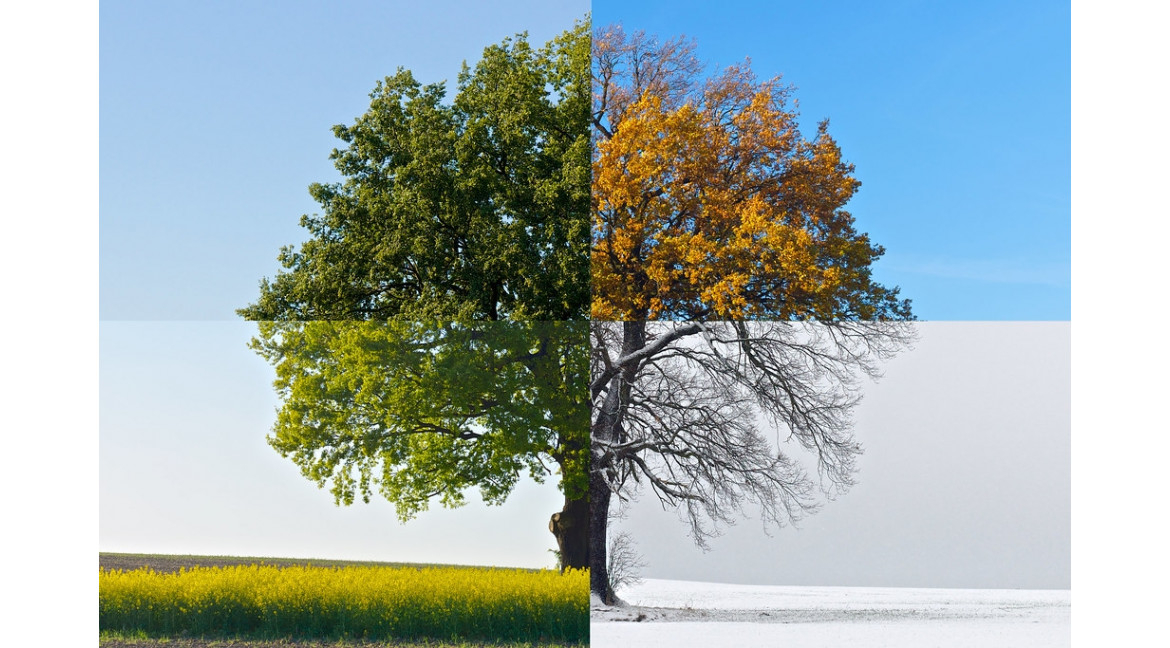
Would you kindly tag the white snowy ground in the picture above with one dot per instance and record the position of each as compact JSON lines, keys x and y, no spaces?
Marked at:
{"x":679,"y":613}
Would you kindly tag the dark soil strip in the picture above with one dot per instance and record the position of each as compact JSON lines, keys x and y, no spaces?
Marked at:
{"x":168,"y":563}
{"x":288,"y":643}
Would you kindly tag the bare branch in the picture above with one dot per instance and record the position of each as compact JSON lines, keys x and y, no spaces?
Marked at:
{"x":679,"y":415}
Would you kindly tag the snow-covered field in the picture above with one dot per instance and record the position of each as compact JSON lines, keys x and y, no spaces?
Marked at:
{"x":680,"y":613}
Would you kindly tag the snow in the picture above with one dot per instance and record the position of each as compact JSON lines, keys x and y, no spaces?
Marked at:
{"x":681,"y":613}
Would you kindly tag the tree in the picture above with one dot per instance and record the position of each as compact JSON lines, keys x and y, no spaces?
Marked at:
{"x":710,"y":208}
{"x":423,"y":410}
{"x":421,"y":335}
{"x":708,"y":203}
{"x":677,"y":408}
{"x":477,"y":209}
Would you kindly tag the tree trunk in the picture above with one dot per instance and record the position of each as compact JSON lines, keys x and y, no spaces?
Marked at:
{"x":607,"y":429}
{"x":571,"y":528}
{"x":599,"y":495}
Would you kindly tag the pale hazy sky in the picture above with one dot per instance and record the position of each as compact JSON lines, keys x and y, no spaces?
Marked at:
{"x":965,"y":481}
{"x":184,"y":467}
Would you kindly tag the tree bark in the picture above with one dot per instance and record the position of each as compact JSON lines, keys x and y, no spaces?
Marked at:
{"x":571,"y":528}
{"x":607,"y":429}
{"x":599,"y":496}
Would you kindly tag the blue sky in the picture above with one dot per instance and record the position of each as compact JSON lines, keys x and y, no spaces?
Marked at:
{"x":956,"y":114}
{"x":216,"y":117}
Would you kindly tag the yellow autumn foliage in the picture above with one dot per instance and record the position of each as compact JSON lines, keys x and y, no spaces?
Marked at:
{"x":708,"y":203}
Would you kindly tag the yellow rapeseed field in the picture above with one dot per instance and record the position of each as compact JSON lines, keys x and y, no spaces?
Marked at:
{"x":448,"y":603}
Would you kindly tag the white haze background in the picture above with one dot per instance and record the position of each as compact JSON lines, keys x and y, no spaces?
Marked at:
{"x":965,"y":480}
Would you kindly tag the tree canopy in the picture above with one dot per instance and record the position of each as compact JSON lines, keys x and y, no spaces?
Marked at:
{"x":475,"y":209}
{"x":430,"y":335}
{"x":418,"y":410}
{"x":712,"y":212}
{"x":709,"y":203}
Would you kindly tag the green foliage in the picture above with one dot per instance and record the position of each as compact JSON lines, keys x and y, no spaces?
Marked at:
{"x":473,"y":210}
{"x":477,"y":209}
{"x":422,"y":409}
